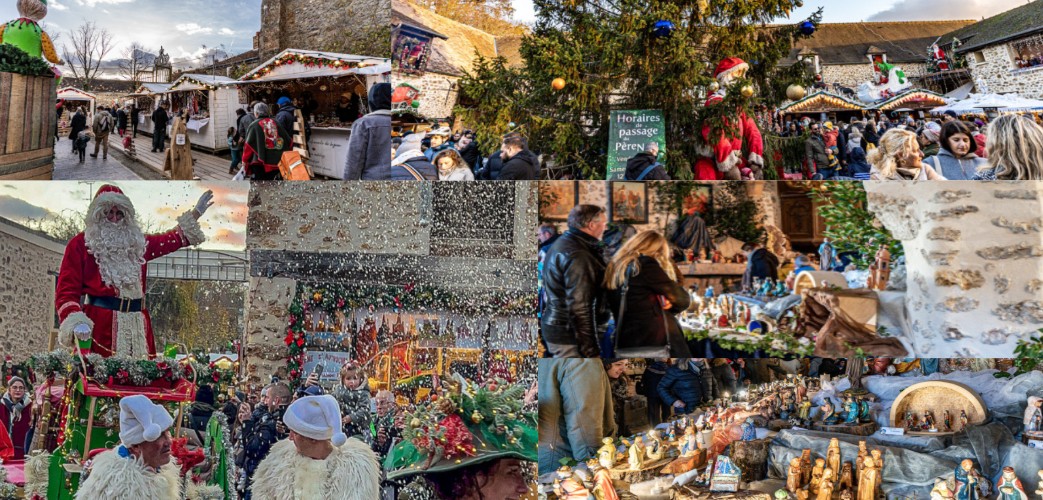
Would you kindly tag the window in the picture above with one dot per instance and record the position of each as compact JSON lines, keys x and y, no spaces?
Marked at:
{"x":979,"y":57}
{"x":1027,"y":52}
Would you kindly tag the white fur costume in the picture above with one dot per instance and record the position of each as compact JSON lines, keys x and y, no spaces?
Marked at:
{"x":349,"y":473}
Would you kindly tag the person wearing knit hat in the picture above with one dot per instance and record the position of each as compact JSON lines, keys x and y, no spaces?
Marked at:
{"x":410,"y":163}
{"x":929,"y":136}
{"x":950,"y":115}
{"x":318,"y":461}
{"x":141,"y":466}
{"x":106,"y":263}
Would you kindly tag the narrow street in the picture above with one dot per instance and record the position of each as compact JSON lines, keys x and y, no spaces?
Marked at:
{"x":67,"y":165}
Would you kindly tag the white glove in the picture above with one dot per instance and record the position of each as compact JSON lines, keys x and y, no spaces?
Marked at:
{"x":82,"y":331}
{"x":205,"y":201}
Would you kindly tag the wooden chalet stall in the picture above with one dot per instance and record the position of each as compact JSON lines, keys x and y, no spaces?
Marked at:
{"x":918,"y":102}
{"x":317,"y":81}
{"x":147,"y":98}
{"x":835,"y":106}
{"x":211,"y":102}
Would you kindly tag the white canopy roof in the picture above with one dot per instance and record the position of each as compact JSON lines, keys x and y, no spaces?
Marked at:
{"x":195,"y":81}
{"x":287,"y":65}
{"x":75,"y":94}
{"x":976,"y":103}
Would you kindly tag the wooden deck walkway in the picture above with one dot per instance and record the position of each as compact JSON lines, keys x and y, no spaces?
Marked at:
{"x":207,"y":167}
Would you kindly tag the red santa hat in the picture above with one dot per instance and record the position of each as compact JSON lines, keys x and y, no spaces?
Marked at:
{"x":728,"y":66}
{"x":108,"y":195}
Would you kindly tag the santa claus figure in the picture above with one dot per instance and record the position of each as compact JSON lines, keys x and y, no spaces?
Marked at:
{"x":101,"y":283}
{"x":939,"y":57}
{"x":725,"y":161}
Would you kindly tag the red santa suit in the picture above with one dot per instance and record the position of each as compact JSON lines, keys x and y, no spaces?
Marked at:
{"x":115,"y":311}
{"x":725,"y":161}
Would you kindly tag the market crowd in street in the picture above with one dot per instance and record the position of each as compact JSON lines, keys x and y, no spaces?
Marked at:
{"x":441,"y":154}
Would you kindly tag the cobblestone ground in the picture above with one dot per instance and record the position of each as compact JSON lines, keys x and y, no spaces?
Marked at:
{"x":67,"y":165}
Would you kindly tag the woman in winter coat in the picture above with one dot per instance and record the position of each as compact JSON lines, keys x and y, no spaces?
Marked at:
{"x":898,"y":157}
{"x":682,"y":386}
{"x":1015,"y":150}
{"x":410,"y":164}
{"x":654,"y":297}
{"x":79,"y":124}
{"x":452,"y":167}
{"x":956,"y":159}
{"x":353,"y":396}
{"x":857,"y":165}
{"x":16,"y":409}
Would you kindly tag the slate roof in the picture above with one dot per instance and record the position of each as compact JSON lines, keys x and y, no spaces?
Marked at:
{"x":1005,"y":26}
{"x":848,"y":43}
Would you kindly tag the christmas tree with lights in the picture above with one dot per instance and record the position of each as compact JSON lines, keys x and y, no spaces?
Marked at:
{"x":585,"y":58}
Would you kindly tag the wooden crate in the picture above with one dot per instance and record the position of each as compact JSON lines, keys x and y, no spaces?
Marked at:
{"x":27,"y":120}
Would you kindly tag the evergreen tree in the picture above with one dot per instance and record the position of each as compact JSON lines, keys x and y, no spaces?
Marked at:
{"x":612,"y":54}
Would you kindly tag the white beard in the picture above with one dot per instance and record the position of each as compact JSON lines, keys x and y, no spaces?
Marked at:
{"x":119,"y":249}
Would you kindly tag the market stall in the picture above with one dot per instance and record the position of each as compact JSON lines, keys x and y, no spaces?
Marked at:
{"x":329,"y":89}
{"x":915,"y":428}
{"x":977,"y":105}
{"x":147,"y":98}
{"x":823,"y":103}
{"x":210,"y":102}
{"x":915,"y":102}
{"x":74,"y":98}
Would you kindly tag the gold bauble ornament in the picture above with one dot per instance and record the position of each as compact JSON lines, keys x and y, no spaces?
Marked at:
{"x":714,"y":87}
{"x":747,"y":91}
{"x":476,"y":417}
{"x":557,"y":83}
{"x":415,"y":422}
{"x":795,"y":92}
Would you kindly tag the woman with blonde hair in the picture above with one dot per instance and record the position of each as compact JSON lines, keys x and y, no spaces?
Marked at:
{"x":898,"y":157}
{"x":452,"y":167}
{"x":647,"y":291}
{"x":1015,"y":146}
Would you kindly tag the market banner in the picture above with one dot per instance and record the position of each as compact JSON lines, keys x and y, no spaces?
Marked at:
{"x":628,"y":133}
{"x":409,"y":50}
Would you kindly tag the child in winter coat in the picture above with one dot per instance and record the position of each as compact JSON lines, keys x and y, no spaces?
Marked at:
{"x":354,"y":398}
{"x":80,"y":145}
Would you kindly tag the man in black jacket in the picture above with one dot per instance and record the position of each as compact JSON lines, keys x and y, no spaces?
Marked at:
{"x":644,"y":167}
{"x":159,"y":128}
{"x":519,"y":164}
{"x":575,"y":312}
{"x":760,"y":263}
{"x":491,"y":170}
{"x":264,"y":429}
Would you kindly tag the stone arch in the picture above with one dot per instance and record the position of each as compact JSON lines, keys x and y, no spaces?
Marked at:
{"x":938,"y":396}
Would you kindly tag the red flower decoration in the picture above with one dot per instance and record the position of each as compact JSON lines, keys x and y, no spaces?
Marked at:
{"x":300,"y":342}
{"x":457,"y":438}
{"x":185,"y":457}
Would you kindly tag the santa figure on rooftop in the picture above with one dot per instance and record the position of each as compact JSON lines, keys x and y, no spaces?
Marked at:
{"x":101,"y":283}
{"x":723,"y":159}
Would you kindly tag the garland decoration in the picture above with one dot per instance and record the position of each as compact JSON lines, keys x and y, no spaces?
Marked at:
{"x":777,"y":344}
{"x":16,"y":60}
{"x":305,"y":60}
{"x":115,"y":370}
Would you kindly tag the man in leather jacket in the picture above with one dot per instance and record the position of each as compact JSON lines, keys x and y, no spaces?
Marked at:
{"x":575,"y":312}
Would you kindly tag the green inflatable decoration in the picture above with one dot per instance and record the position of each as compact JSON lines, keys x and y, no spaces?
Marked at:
{"x":26,"y":34}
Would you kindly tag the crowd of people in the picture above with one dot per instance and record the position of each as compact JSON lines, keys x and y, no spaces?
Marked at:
{"x":1010,"y":147}
{"x":670,"y":386}
{"x":441,"y":154}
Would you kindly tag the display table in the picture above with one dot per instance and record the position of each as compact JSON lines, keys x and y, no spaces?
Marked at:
{"x":328,"y":151}
{"x":196,"y":125}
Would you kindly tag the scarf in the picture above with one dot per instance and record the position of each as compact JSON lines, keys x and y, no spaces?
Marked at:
{"x":16,"y":407}
{"x":908,"y":173}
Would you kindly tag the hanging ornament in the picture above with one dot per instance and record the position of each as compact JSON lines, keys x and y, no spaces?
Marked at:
{"x":323,"y":88}
{"x":558,"y":84}
{"x":795,"y":92}
{"x":663,"y":28}
{"x":807,"y":28}
{"x":747,"y":91}
{"x":714,"y":86}
{"x":476,"y":417}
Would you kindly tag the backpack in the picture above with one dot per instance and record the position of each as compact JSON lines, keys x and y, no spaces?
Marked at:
{"x":293,"y":168}
{"x":105,"y":122}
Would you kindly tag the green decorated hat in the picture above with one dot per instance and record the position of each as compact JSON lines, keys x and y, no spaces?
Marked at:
{"x":466,"y":425}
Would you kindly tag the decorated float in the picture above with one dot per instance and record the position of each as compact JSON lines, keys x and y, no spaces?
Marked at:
{"x":893,"y":429}
{"x":318,"y":82}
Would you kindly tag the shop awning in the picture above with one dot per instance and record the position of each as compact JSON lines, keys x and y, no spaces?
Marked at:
{"x":914,"y":99}
{"x":292,"y":64}
{"x":193,"y":81}
{"x":1004,"y":103}
{"x":150,"y":89}
{"x":823,"y":102}
{"x":75,"y":94}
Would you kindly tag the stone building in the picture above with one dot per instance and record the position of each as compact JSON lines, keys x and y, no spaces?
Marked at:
{"x":454,"y":48}
{"x":1004,"y":52}
{"x":443,"y":237}
{"x":30,"y":262}
{"x":360,"y":27}
{"x":843,"y":53}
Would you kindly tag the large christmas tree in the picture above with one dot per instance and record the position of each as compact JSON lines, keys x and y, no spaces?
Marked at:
{"x":630,"y":54}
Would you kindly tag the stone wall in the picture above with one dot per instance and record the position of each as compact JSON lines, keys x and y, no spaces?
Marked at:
{"x":999,"y":74}
{"x":27,"y":262}
{"x":974,"y":261}
{"x":853,"y":75}
{"x":456,"y":236}
{"x":438,"y":93}
{"x":361,"y":27}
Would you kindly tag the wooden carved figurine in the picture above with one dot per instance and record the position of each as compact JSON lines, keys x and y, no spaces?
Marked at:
{"x":847,"y":480}
{"x":833,"y":457}
{"x":878,"y":459}
{"x":869,"y":486}
{"x":816,"y":475}
{"x":883,"y":268}
{"x":637,"y":454}
{"x":825,"y":487}
{"x":860,"y":461}
{"x":793,"y":478}
{"x":805,"y":467}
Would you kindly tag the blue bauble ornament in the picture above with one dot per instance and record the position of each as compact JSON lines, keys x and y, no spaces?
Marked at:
{"x":663,"y":28}
{"x":807,"y":28}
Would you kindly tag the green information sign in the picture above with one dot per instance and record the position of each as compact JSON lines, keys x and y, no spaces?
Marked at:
{"x":628,"y":134}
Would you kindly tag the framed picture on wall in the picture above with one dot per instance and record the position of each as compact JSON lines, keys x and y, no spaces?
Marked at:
{"x":699,"y":200}
{"x":557,"y":198}
{"x":629,"y":202}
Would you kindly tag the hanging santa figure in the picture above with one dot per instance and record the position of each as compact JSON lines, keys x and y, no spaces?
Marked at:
{"x":723,"y":160}
{"x":939,"y":58}
{"x":101,"y":282}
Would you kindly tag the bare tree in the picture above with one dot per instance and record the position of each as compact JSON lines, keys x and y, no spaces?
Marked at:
{"x":134,"y":63}
{"x":87,"y":46}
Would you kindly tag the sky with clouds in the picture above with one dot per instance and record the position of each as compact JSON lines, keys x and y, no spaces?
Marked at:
{"x":159,"y":202}
{"x":842,"y":11}
{"x":181,"y":27}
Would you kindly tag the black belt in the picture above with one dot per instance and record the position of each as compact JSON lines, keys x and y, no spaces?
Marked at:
{"x":116,"y":303}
